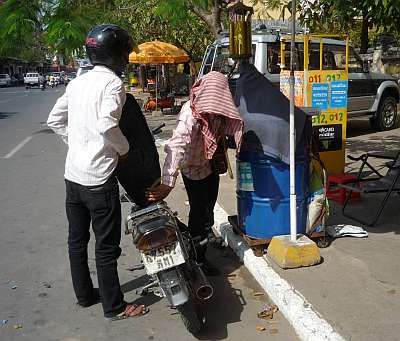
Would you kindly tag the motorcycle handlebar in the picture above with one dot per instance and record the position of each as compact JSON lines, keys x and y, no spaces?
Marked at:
{"x":157,"y":130}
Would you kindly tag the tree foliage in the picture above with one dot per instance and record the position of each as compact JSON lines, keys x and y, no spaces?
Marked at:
{"x":176,"y":11}
{"x":67,"y":23}
{"x":269,"y":8}
{"x":148,"y":20}
{"x":345,"y":15}
{"x":20,"y":30}
{"x":61,"y":25}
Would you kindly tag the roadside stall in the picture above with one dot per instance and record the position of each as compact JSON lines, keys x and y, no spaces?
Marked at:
{"x":158,"y":53}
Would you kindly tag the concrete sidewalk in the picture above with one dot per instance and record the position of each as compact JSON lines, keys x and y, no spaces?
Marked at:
{"x":356,"y":289}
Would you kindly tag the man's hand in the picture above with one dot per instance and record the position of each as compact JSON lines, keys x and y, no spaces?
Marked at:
{"x":158,"y":193}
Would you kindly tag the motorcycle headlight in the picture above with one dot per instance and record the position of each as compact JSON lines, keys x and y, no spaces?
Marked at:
{"x":156,"y":238}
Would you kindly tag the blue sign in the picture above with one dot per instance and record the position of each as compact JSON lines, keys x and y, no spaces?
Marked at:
{"x":319,"y":95}
{"x":339,"y":94}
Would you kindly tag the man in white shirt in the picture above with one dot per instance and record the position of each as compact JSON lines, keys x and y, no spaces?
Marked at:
{"x":87,"y":118}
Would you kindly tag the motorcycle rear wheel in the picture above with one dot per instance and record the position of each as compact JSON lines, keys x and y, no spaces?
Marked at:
{"x":190,"y":317}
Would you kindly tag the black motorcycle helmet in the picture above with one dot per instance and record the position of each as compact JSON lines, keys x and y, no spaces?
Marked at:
{"x":109,"y":45}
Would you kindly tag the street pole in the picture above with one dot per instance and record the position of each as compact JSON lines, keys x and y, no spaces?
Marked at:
{"x":292,"y":133}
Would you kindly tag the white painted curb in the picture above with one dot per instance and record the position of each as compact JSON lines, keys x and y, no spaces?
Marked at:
{"x":307,"y":323}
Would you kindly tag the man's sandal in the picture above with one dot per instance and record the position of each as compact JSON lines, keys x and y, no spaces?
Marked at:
{"x":131,"y":310}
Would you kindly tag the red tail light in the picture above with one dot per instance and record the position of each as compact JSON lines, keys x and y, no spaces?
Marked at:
{"x":156,"y":238}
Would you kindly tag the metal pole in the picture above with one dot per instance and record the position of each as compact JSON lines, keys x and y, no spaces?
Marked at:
{"x":156,"y":85}
{"x":292,"y":133}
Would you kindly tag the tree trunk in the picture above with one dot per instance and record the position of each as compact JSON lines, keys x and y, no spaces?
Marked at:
{"x":364,"y":33}
{"x":212,"y":16}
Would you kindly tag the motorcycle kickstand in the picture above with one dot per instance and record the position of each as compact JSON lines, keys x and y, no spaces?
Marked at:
{"x":136,"y":267}
{"x":146,"y":289}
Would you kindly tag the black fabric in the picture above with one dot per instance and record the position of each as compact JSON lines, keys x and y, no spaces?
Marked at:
{"x":265,"y":112}
{"x":202,"y":195}
{"x":142,"y":167}
{"x":100,"y":206}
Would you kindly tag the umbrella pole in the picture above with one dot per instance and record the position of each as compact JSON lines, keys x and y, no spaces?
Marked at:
{"x":156,"y":85}
{"x":292,"y":133}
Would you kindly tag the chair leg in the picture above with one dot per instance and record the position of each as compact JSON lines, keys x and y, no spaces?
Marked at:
{"x":389,"y":192}
{"x":349,"y":215}
{"x":377,"y":215}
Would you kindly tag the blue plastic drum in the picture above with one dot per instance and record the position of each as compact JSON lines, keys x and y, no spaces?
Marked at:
{"x":263,"y":195}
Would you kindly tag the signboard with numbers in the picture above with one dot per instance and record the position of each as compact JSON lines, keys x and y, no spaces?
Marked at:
{"x":327,"y":90}
{"x":321,"y":83}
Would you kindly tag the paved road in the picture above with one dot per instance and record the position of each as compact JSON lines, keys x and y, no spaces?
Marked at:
{"x":35,"y":288}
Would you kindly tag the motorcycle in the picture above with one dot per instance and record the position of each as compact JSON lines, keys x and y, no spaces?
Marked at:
{"x":168,"y":255}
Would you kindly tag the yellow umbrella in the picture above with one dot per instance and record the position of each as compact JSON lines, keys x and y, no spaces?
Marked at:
{"x":158,"y":52}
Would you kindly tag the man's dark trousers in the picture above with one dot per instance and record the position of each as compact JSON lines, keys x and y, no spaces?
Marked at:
{"x":99,"y":205}
{"x":202,"y":195}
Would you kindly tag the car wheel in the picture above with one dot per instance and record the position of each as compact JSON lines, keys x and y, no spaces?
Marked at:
{"x":386,"y":116}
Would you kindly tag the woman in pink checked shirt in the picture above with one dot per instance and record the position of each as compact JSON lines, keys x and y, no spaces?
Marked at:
{"x":209,"y":115}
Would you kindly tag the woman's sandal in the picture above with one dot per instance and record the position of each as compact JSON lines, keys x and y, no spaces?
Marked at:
{"x":131,"y":310}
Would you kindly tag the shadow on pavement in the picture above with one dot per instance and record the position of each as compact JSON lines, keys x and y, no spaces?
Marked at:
{"x":358,"y":127}
{"x":44,"y":131}
{"x":365,"y":209}
{"x":227,"y":304}
{"x":4,"y":115}
{"x":136,"y":283}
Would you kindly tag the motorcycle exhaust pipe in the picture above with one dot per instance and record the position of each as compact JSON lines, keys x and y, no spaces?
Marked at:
{"x":201,"y":286}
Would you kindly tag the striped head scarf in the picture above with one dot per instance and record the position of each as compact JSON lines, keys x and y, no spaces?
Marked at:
{"x":212,"y":105}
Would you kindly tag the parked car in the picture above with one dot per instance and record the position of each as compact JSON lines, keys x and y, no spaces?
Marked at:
{"x":33,"y":79}
{"x":5,"y":79}
{"x":371,"y":94}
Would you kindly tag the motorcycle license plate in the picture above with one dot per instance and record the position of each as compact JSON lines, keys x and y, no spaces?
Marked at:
{"x":163,"y":258}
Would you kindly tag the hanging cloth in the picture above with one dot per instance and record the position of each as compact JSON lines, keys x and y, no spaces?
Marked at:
{"x":265,"y":112}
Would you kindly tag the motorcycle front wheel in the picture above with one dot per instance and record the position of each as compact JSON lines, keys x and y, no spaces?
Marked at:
{"x":190,"y":317}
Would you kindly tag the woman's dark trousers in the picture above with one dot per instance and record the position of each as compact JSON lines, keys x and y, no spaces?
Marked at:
{"x":202,"y":196}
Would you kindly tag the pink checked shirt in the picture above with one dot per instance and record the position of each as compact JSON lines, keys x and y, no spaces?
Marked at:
{"x":185,"y":150}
